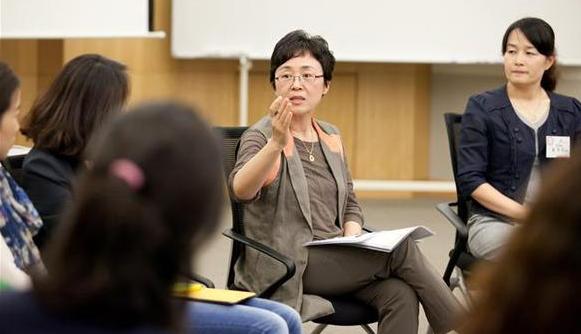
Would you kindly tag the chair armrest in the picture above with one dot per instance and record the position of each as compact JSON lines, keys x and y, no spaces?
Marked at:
{"x":286,"y":261}
{"x":201,"y":279}
{"x":453,"y":218}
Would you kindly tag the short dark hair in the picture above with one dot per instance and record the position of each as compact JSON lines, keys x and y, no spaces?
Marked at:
{"x":297,"y":43}
{"x":120,"y":249}
{"x":87,"y":90}
{"x":8,"y":84}
{"x":542,"y":37}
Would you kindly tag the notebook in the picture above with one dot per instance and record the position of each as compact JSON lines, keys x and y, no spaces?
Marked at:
{"x":383,"y":241}
{"x":201,"y":293}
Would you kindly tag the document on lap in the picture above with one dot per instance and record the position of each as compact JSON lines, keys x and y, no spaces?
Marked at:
{"x":383,"y":241}
{"x":200,"y":293}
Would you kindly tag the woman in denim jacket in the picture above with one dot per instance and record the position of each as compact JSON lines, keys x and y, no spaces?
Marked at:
{"x":509,"y":134}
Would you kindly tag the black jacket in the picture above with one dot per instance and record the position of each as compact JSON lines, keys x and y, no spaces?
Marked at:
{"x":47,"y":179}
{"x":498,"y":148}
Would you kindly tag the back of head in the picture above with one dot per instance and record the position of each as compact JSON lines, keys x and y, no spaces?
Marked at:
{"x":8,"y":84}
{"x":152,"y":194}
{"x":86,"y":91}
{"x":534,"y":287}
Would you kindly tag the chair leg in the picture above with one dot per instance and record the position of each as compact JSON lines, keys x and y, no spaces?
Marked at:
{"x":463,"y":287}
{"x":319,"y":329}
{"x":367,"y":329}
{"x":454,"y":283}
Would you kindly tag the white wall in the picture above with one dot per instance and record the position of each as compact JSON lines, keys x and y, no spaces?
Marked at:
{"x":73,"y":18}
{"x":452,"y":85}
{"x":415,"y":31}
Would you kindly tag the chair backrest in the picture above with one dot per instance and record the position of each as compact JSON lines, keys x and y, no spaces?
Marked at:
{"x":231,"y":142}
{"x":453,"y":126}
{"x":13,"y":165}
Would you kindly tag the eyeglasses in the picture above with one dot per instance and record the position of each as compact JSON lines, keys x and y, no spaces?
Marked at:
{"x":287,"y":79}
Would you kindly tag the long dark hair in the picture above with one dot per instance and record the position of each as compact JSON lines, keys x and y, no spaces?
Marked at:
{"x":8,"y":84}
{"x":534,"y":287}
{"x":87,"y":90}
{"x":124,"y":242}
{"x":542,"y":37}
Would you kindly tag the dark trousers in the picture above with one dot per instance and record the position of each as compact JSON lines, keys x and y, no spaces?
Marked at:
{"x":393,"y":283}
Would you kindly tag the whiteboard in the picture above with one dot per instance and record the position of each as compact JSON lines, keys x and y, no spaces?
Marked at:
{"x":73,"y":18}
{"x":414,"y":31}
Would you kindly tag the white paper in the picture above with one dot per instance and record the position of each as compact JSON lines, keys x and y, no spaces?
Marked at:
{"x":383,"y":241}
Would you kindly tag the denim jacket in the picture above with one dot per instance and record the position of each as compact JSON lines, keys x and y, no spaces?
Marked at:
{"x":498,"y":148}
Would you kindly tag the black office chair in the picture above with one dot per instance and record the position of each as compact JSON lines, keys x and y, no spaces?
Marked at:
{"x":348,"y":311}
{"x":461,"y":261}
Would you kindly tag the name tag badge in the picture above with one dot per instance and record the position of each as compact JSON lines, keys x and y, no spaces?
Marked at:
{"x":558,"y":146}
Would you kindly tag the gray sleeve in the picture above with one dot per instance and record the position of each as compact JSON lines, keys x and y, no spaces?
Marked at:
{"x":353,"y":211}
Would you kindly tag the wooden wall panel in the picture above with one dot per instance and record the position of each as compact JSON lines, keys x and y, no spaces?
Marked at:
{"x":339,"y":107}
{"x":421,"y":121}
{"x":215,"y":93}
{"x":385,"y":117}
{"x":50,"y":62}
{"x":260,"y":92}
{"x":35,"y":63}
{"x":212,"y":85}
{"x":21,"y":56}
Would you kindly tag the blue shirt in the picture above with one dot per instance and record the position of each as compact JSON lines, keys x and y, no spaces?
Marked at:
{"x":498,"y":148}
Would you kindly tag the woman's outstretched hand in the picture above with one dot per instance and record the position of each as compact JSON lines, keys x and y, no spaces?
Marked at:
{"x":281,"y":114}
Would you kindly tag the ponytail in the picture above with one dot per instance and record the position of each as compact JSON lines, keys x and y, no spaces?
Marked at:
{"x":550,"y":77}
{"x":109,"y":247}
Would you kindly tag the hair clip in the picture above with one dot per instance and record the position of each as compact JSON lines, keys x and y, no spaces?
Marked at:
{"x":129,"y":172}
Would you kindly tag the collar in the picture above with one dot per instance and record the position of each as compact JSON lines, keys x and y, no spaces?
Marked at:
{"x":498,"y":99}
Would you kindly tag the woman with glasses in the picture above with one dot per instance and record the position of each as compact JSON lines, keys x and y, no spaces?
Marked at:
{"x":130,"y":234}
{"x":292,"y":172}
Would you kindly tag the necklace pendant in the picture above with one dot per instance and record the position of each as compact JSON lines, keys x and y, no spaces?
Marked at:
{"x":311,"y":158}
